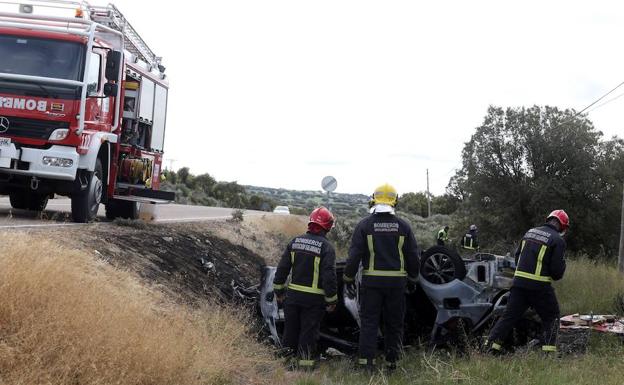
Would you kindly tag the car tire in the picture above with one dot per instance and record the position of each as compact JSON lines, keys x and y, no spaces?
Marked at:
{"x":440,"y":265}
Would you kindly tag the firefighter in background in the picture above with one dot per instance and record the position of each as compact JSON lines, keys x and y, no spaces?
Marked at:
{"x":539,"y":261}
{"x":443,"y":238}
{"x":310,"y":259}
{"x":386,"y":248}
{"x":470,"y":240}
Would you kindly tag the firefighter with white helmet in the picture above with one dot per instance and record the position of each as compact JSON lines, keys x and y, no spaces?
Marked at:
{"x":539,"y":261}
{"x":310,"y":260}
{"x":470,"y":240}
{"x":386,"y":248}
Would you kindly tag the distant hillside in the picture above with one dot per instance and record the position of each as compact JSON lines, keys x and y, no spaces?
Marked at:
{"x":301,"y":202}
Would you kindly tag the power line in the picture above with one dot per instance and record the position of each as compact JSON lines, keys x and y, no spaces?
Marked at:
{"x":605,"y":103}
{"x":599,"y":99}
{"x":590,"y":105}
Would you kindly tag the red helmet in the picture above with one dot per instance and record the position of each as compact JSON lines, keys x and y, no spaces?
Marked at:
{"x":322,"y":217}
{"x":562,"y":217}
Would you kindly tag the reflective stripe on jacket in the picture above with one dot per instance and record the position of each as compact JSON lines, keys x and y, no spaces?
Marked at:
{"x":385,"y":246}
{"x":310,"y":259}
{"x":540,"y":258}
{"x":470,"y":241}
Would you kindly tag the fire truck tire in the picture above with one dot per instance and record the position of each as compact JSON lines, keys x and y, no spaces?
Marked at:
{"x":28,"y":201}
{"x":85,"y":204}
{"x":37,"y":202}
{"x":18,"y":201}
{"x":111,"y":210}
{"x":117,"y":208}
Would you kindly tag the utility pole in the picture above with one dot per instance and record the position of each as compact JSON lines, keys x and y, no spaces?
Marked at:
{"x":171,"y":163}
{"x":621,"y":256}
{"x":428,"y":197}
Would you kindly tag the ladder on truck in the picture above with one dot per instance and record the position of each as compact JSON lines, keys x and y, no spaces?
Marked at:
{"x":108,"y":16}
{"x":111,"y":17}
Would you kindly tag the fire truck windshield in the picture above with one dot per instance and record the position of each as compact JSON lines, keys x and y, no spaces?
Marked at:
{"x":41,"y":57}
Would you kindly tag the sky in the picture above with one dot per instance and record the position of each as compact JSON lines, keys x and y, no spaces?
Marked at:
{"x":283,"y":93}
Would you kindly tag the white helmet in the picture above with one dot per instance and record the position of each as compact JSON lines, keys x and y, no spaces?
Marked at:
{"x":473,"y":227}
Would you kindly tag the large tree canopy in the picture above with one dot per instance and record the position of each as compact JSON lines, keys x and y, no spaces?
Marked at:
{"x":523,"y":162}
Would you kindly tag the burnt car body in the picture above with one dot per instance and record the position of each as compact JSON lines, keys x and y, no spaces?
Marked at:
{"x":454,"y":297}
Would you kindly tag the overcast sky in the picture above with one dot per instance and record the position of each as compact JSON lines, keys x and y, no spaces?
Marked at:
{"x":282,"y":93}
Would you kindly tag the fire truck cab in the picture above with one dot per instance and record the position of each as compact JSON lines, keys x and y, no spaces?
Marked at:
{"x":83,"y":108}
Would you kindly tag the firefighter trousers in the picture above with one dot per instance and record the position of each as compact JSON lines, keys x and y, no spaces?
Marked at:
{"x":545,"y":304}
{"x":377,"y":303}
{"x":301,"y":330}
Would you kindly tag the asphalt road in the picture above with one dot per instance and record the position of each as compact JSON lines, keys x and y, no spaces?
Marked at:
{"x":58,"y":212}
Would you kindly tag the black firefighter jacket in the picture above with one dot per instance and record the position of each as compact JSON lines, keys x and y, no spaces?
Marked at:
{"x":312,"y":260}
{"x":385,"y":246}
{"x":540,"y":258}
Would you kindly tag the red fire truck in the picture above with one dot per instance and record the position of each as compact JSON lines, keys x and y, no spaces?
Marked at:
{"x":83,"y":105}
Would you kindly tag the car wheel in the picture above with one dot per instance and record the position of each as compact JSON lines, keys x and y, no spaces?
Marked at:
{"x":440,"y":265}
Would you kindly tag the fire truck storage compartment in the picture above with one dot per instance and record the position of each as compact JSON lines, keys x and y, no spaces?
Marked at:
{"x":145,"y":114}
{"x":160,"y":118}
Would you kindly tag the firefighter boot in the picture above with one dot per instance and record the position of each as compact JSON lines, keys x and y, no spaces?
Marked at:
{"x":390,"y":366}
{"x":366,"y":364}
{"x":492,"y":347}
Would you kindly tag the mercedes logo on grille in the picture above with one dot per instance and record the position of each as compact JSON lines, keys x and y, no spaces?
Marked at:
{"x":4,"y":124}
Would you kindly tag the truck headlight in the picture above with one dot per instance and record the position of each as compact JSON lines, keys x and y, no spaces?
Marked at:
{"x":57,"y":162}
{"x":59,"y":134}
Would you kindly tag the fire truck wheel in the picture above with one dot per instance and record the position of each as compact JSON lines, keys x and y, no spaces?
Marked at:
{"x":28,"y":201}
{"x":18,"y":201}
{"x":86,"y":203}
{"x":37,"y":202}
{"x":116,"y":208}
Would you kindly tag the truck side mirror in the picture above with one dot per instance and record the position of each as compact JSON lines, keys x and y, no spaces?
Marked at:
{"x":111,"y":89}
{"x":113,"y":65}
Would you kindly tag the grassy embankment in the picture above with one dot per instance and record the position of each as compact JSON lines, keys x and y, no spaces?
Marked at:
{"x":66,"y":318}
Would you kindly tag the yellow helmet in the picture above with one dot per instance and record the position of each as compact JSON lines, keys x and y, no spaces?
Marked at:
{"x":386,"y":195}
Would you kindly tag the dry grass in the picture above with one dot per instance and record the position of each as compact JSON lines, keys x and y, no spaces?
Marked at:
{"x":590,"y":286}
{"x":266,"y":235}
{"x":67,"y":319}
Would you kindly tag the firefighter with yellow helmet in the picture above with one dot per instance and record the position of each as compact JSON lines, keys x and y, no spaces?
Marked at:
{"x":385,"y":246}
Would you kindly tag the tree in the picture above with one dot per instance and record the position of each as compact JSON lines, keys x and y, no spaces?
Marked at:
{"x":231,"y":193}
{"x":183,"y":176}
{"x":415,"y":203}
{"x":523,"y":162}
{"x":444,"y":204}
{"x":204,"y":182}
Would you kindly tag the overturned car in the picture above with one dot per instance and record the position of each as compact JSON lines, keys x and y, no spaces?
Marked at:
{"x":456,"y":298}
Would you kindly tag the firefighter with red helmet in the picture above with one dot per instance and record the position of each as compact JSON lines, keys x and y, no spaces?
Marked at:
{"x":385,"y":246}
{"x":310,"y":260}
{"x":539,"y":261}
